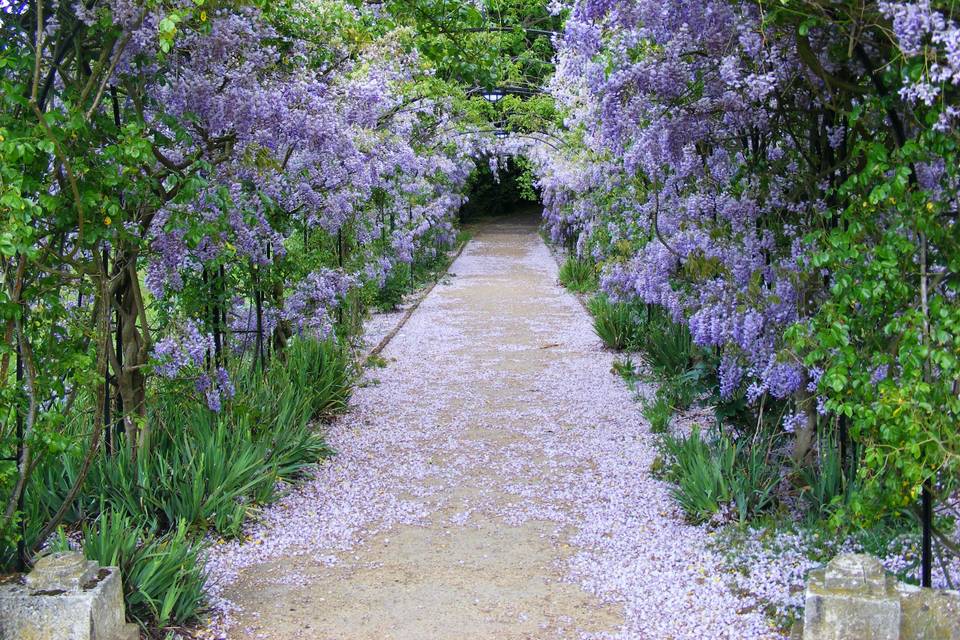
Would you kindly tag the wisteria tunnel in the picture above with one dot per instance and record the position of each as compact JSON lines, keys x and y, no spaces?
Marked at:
{"x":480,"y":319}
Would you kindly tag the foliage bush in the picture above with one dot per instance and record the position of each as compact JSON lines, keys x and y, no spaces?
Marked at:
{"x":397,"y":284}
{"x":163,"y":575}
{"x":666,"y":346}
{"x":700,"y":473}
{"x":578,"y":275}
{"x":405,"y":278}
{"x":825,"y":484}
{"x":734,"y":409}
{"x":625,"y":368}
{"x":318,"y":371}
{"x":682,"y":390}
{"x":616,"y":323}
{"x":755,"y":476}
{"x":676,"y":392}
{"x":205,"y":471}
{"x":714,"y":475}
{"x":209,"y":469}
{"x":205,"y":476}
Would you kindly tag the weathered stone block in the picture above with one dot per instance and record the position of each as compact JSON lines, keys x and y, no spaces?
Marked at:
{"x":929,"y":614}
{"x":65,"y":597}
{"x":851,"y":599}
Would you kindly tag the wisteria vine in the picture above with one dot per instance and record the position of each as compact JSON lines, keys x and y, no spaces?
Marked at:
{"x":781,"y":178}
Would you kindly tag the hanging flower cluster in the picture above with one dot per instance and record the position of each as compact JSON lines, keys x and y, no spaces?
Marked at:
{"x":225,"y":175}
{"x":291,"y":140}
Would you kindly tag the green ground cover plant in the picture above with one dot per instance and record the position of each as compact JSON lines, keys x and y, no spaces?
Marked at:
{"x":207,"y":473}
{"x":615,"y":323}
{"x":716,"y":474}
{"x":578,"y":275}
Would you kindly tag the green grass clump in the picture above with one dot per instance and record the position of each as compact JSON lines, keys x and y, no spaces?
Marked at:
{"x":163,"y":575}
{"x":824,"y":483}
{"x":164,"y":580}
{"x":204,"y":472}
{"x":578,"y":275}
{"x":666,"y":346}
{"x":658,"y":413}
{"x":210,"y":469}
{"x":712,"y":475}
{"x":205,"y":478}
{"x":616,"y":323}
{"x":320,"y":371}
{"x":682,"y":390}
{"x":625,"y":368}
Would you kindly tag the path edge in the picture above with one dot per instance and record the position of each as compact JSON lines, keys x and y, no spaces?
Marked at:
{"x":560,"y":255}
{"x":413,"y":307}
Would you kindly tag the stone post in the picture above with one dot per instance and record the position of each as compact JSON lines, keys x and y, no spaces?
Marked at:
{"x":65,"y":597}
{"x":851,"y":599}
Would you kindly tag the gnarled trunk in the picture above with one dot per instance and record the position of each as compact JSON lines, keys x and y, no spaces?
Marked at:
{"x":131,"y":356}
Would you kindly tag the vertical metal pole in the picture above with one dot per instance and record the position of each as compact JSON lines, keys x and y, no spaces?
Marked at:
{"x":106,"y":410}
{"x":119,"y":428}
{"x":212,"y":310}
{"x":926,"y":515}
{"x":258,"y":298}
{"x":268,"y":349}
{"x":118,"y":400}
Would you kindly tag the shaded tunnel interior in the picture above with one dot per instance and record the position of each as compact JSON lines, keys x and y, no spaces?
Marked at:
{"x":500,"y":194}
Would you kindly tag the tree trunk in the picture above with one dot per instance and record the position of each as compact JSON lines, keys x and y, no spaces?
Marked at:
{"x":130,"y":362}
{"x":283,"y":331}
{"x":803,"y":440}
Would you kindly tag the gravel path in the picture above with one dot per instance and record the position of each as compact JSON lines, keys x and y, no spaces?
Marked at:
{"x":491,"y":482}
